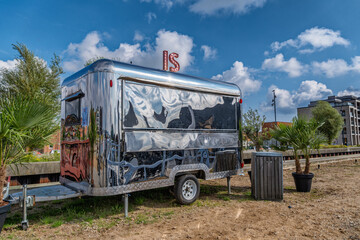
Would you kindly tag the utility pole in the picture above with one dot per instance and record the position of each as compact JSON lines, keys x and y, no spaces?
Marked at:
{"x":274,"y":104}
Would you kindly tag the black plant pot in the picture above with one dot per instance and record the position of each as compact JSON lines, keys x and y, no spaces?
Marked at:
{"x":3,"y":212}
{"x":249,"y":172}
{"x":303,"y":181}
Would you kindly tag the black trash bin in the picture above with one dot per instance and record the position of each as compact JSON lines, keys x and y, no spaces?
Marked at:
{"x":267,"y":176}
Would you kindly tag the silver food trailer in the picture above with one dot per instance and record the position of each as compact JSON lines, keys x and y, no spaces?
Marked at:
{"x":126,"y":128}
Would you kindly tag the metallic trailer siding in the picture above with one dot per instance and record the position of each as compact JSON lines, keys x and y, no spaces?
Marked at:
{"x":105,"y":103}
{"x":118,"y":162}
{"x":158,"y":77}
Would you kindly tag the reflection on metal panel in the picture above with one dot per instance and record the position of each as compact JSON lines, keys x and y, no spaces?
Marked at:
{"x":165,"y":108}
{"x":159,"y":140}
{"x":84,"y":147}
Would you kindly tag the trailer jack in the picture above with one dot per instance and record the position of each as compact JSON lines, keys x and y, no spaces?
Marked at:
{"x":228,"y":185}
{"x":126,"y":204}
{"x":25,"y":202}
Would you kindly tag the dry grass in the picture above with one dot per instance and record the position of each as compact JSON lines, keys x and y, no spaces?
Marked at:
{"x":330,"y":211}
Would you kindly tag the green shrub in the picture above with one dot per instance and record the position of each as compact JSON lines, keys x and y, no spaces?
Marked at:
{"x":333,"y":146}
{"x":51,"y":157}
{"x":43,"y":158}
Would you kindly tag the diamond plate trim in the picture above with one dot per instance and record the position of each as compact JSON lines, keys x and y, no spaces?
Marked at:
{"x":151,"y":184}
{"x":224,"y":174}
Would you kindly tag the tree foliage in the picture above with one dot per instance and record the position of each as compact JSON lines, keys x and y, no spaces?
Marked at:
{"x":33,"y":78}
{"x":252,"y":125}
{"x":302,"y":136}
{"x":23,"y":121}
{"x":36,"y":82}
{"x":331,"y":119}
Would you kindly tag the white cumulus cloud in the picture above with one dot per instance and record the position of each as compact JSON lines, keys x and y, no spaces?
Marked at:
{"x":311,"y":90}
{"x":316,"y":38}
{"x":9,"y":64}
{"x":287,"y":101}
{"x":292,"y":67}
{"x":336,"y":67}
{"x":350,"y":91}
{"x":209,"y":52}
{"x":239,"y":74}
{"x":212,"y":7}
{"x":284,"y":100}
{"x":148,"y":55}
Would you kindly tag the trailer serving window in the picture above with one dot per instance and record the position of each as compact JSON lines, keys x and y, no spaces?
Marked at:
{"x":73,"y":108}
{"x":155,"y":107}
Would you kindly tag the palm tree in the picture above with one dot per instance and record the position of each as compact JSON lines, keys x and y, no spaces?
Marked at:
{"x":302,"y":136}
{"x":287,"y":136}
{"x":21,"y":122}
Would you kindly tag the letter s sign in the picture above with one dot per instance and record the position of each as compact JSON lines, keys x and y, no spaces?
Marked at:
{"x":173,"y":61}
{"x":172,"y":57}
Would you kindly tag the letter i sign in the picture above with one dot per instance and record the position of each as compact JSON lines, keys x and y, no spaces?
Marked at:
{"x":170,"y":58}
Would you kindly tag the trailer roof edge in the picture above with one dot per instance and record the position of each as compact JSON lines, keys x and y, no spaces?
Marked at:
{"x":155,"y":76}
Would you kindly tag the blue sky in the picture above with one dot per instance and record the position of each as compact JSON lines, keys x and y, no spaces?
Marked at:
{"x":305,"y":50}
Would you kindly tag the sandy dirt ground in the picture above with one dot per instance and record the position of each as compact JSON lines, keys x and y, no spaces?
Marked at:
{"x":330,"y":211}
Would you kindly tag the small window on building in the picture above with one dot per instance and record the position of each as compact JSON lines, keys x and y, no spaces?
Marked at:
{"x":73,"y":109}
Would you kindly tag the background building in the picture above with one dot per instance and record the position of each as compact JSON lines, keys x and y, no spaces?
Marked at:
{"x":349,"y":109}
{"x":54,"y":144}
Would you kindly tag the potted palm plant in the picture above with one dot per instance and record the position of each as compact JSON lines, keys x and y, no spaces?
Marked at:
{"x":21,"y":122}
{"x":302,"y":136}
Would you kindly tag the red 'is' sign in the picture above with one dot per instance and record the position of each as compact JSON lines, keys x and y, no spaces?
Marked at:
{"x":170,"y":58}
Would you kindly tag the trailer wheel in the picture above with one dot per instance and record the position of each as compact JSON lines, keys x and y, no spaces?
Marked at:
{"x":187,"y":189}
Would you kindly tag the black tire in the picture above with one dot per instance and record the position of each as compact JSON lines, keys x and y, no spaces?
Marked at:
{"x":187,"y":189}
